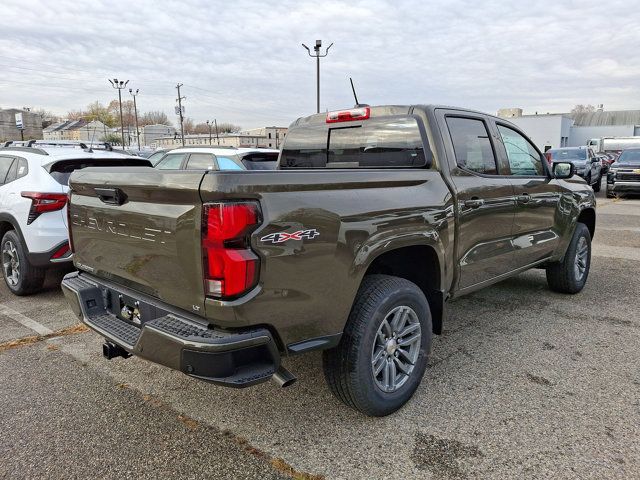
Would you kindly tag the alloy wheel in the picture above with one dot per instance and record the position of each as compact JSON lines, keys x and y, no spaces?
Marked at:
{"x":582,"y":257}
{"x":396,"y":348}
{"x":10,"y":263}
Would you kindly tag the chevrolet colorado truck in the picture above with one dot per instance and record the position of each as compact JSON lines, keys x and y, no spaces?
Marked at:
{"x":376,"y":218}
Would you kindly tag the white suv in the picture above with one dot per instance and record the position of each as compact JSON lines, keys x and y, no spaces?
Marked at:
{"x":33,"y":197}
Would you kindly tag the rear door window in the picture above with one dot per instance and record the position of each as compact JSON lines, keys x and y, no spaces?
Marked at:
{"x":383,"y":143}
{"x":471,"y":145}
{"x":200,"y":161}
{"x":171,"y":161}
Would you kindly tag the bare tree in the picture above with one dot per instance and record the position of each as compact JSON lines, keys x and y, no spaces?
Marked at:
{"x":128,"y":115}
{"x":154,"y":118}
{"x":226,"y":127}
{"x":580,"y":109}
{"x":75,"y":115}
{"x":48,"y":117}
{"x":189,"y":125}
{"x":201,"y":128}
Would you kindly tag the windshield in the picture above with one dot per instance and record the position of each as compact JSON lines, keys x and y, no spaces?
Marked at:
{"x":629,"y":156}
{"x":569,"y":154}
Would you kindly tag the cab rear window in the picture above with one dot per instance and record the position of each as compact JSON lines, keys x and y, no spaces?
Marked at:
{"x":383,"y":143}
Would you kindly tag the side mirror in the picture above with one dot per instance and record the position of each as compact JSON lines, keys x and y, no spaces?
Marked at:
{"x":595,"y":160}
{"x":564,"y":170}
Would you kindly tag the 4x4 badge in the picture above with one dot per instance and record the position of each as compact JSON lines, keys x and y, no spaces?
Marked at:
{"x":284,"y":236}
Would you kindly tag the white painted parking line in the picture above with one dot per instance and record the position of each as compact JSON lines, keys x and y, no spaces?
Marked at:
{"x":24,"y":320}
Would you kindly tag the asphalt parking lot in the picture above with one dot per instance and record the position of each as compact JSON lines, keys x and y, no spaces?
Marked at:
{"x":524,"y":383}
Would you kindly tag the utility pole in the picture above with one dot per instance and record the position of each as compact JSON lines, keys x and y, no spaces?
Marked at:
{"x":217,"y":137}
{"x":135,"y":109}
{"x":180,"y":112}
{"x":318,"y":56}
{"x":209,"y":125}
{"x":120,"y":85}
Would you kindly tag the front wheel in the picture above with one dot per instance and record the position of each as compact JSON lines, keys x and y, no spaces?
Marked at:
{"x":598,"y":184}
{"x":382,"y":355}
{"x":570,"y":275}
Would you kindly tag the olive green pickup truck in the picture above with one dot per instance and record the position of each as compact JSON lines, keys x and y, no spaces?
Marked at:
{"x":375,"y":219}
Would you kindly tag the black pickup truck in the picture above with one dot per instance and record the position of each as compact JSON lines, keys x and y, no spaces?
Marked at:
{"x":374,"y":220}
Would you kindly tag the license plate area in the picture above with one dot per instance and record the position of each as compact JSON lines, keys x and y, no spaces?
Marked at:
{"x":131,"y":309}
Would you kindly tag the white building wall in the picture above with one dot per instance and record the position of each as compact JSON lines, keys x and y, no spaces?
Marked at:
{"x":546,"y":131}
{"x":581,"y":135}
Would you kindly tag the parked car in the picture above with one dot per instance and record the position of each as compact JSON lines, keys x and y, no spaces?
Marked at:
{"x":33,"y":199}
{"x":624,"y":175}
{"x":586,"y":162}
{"x":376,"y":218}
{"x":219,"y":158}
{"x":155,"y":157}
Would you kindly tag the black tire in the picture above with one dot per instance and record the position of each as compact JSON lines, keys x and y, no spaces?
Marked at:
{"x":598,"y":184}
{"x":348,"y":367}
{"x":29,"y":278}
{"x":610,"y":194}
{"x":588,"y":179}
{"x":563,"y":276}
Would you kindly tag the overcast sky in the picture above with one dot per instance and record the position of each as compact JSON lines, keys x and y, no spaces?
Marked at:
{"x":241,"y":61}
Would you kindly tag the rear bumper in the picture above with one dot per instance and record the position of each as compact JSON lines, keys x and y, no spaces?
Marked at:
{"x":168,"y":337}
{"x":45,"y":259}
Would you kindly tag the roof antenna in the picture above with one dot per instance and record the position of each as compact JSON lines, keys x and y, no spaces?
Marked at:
{"x":353,"y":89}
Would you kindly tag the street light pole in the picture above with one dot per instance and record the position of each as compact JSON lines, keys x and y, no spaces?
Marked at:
{"x":135,"y":109}
{"x":209,"y":125}
{"x":120,"y":85}
{"x":317,"y":55}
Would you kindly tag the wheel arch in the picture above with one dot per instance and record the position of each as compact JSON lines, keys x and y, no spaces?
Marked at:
{"x":587,"y":216}
{"x":7,"y":222}
{"x":420,"y":264}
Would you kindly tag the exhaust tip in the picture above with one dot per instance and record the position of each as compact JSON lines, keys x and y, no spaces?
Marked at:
{"x":284,"y":378}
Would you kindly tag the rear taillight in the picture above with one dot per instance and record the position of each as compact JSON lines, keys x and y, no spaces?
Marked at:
{"x":44,"y":202}
{"x":349,"y":115}
{"x":230,"y":266}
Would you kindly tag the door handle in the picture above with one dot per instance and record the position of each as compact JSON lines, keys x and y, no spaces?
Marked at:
{"x":524,"y":198}
{"x":474,"y":203}
{"x":112,"y":196}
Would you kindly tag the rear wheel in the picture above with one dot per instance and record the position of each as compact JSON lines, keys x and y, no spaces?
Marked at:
{"x":21,"y":277}
{"x":382,"y":355}
{"x":570,"y":275}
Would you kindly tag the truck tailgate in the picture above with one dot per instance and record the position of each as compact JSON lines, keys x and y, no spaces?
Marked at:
{"x":140,"y":227}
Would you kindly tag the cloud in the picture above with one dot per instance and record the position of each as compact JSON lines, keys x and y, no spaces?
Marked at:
{"x":242,"y":61}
